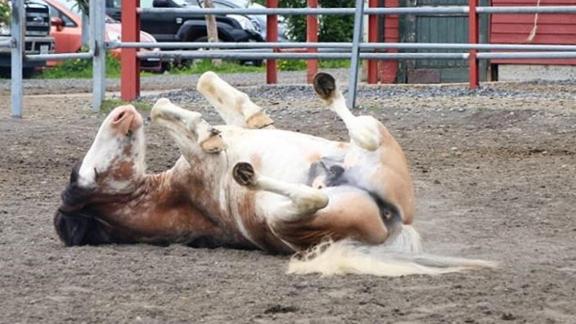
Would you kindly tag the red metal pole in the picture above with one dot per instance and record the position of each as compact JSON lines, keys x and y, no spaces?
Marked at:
{"x":473,"y":73}
{"x":372,"y":38}
{"x":130,"y":65}
{"x":271,"y":36}
{"x":312,"y":37}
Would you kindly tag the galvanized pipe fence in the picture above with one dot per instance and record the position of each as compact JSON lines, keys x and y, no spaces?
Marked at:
{"x":355,"y":50}
{"x":97,"y":53}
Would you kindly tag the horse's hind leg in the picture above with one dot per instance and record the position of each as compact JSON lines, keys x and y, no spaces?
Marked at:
{"x":378,"y":163}
{"x":233,"y":105}
{"x":365,"y":131}
{"x":309,"y":216}
{"x":303,"y":202}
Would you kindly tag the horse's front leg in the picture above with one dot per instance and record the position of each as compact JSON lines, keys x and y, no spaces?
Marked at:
{"x":233,"y":105}
{"x":193,"y":134}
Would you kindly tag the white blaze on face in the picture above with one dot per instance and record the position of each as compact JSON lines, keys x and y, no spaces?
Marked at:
{"x":116,"y":157}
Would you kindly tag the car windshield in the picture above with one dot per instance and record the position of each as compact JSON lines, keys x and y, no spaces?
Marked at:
{"x":180,"y":3}
{"x":228,"y":3}
{"x":72,"y":6}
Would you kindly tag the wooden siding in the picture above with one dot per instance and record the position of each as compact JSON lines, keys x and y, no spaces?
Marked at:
{"x":388,"y":69}
{"x":558,"y":29}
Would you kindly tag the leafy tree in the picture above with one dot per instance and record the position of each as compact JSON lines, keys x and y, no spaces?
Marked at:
{"x":4,"y":12}
{"x":83,"y":5}
{"x":333,"y":28}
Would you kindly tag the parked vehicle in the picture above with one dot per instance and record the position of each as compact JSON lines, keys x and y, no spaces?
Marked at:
{"x":66,"y":21}
{"x":37,"y":41}
{"x":255,"y":22}
{"x":184,"y":27}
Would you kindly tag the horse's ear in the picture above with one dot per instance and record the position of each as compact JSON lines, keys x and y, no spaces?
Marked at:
{"x":75,"y":229}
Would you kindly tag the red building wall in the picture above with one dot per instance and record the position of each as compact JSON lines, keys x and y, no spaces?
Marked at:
{"x":386,"y":70}
{"x":389,"y":69}
{"x":557,"y":29}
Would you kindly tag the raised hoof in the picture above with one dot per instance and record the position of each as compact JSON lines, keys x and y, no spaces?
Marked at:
{"x":214,"y":143}
{"x":325,"y":85}
{"x":244,"y":174}
{"x":259,"y":120}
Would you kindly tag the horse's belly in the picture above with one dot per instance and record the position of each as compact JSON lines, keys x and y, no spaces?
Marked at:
{"x":283,"y":155}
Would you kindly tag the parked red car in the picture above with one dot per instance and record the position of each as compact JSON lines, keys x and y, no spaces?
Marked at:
{"x":66,"y":30}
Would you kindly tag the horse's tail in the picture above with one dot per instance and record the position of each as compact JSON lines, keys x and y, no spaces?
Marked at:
{"x":401,"y":256}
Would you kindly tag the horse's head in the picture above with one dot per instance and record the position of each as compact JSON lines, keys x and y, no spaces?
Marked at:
{"x":110,"y":172}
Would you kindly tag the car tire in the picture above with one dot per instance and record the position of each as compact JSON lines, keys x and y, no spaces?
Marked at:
{"x":258,"y":63}
{"x":6,"y":72}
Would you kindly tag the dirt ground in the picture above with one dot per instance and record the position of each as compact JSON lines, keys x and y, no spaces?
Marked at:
{"x":494,"y":174}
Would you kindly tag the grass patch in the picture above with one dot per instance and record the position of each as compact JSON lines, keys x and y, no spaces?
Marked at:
{"x":201,"y":66}
{"x":109,"y":104}
{"x":300,"y":65}
{"x":335,"y":64}
{"x":82,"y":69}
{"x":79,"y":69}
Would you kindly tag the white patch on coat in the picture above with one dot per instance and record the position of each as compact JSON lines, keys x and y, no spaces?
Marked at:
{"x":109,"y":147}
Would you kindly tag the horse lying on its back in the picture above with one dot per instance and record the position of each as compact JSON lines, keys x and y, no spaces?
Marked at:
{"x":348,"y":207}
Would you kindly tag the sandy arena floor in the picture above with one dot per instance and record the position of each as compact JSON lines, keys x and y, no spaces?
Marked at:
{"x":495,"y":179}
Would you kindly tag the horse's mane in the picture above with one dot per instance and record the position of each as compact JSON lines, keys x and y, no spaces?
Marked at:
{"x":76,"y":222}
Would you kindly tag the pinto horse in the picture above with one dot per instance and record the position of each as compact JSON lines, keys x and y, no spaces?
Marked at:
{"x":341,"y":207}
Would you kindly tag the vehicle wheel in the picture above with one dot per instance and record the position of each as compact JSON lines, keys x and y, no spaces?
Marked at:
{"x":27,"y":73}
{"x":6,"y":72}
{"x":257,"y":63}
{"x":204,"y":39}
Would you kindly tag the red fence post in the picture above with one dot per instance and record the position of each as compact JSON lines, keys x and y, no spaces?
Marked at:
{"x":372,"y":38}
{"x":271,"y":36}
{"x":130,"y":64}
{"x":473,"y":73}
{"x":312,"y":37}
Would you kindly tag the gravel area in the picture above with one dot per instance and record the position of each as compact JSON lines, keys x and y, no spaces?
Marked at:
{"x":494,"y":176}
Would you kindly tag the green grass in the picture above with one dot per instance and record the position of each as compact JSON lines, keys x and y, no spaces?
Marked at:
{"x":79,"y":69}
{"x":110,"y":104}
{"x":82,"y":69}
{"x":300,"y":65}
{"x":202,"y":66}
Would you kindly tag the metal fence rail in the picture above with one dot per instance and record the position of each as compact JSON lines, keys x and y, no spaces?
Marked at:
{"x":97,"y":53}
{"x":369,"y":11}
{"x":239,"y":55}
{"x":271,"y":50}
{"x":60,"y":57}
{"x":342,"y":45}
{"x":356,"y":49}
